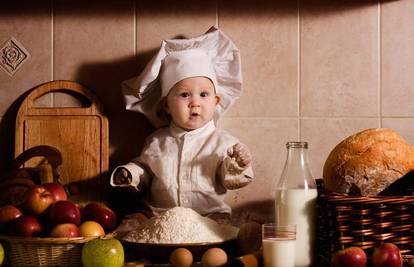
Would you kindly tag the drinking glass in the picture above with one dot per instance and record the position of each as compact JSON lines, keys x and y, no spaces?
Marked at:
{"x":278,"y":245}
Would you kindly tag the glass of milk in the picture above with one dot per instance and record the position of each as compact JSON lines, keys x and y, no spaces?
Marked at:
{"x":278,"y":245}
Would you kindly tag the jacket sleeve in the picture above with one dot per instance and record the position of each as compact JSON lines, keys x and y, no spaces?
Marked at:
{"x":140,"y":177}
{"x":139,"y":172}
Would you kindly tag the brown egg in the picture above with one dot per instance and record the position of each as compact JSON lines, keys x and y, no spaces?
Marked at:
{"x":214,"y":257}
{"x":181,"y":257}
{"x":134,"y":264}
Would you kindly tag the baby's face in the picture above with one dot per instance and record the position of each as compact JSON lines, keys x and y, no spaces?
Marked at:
{"x":192,"y":102}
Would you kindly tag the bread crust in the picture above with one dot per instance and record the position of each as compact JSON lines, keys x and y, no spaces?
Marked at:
{"x":367,"y":162}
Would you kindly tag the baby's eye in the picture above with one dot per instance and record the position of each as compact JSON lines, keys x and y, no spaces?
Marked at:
{"x":204,"y":94}
{"x":184,"y":94}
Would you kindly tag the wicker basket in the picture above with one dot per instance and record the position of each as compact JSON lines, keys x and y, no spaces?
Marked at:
{"x":47,"y":251}
{"x":87,"y":174}
{"x":366,"y":222}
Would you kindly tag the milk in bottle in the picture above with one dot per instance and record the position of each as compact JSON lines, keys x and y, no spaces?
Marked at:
{"x":295,"y":202}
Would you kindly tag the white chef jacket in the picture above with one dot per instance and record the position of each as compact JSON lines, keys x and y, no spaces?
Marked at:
{"x":187,"y":168}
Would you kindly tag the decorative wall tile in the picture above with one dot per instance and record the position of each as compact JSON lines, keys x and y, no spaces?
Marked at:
{"x":30,"y":31}
{"x":29,"y":23}
{"x":13,"y":56}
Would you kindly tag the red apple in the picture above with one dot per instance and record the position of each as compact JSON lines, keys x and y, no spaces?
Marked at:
{"x":65,"y":230}
{"x":64,"y":211}
{"x":58,"y":192}
{"x":36,"y":200}
{"x":387,"y":255}
{"x":349,"y":257}
{"x":25,"y":225}
{"x":91,"y":228}
{"x":81,"y":207}
{"x":8,"y":213}
{"x":101,"y":214}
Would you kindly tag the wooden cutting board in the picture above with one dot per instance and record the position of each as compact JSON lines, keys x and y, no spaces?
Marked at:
{"x":79,"y":133}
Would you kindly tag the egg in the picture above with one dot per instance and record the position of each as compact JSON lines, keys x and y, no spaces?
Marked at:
{"x":181,"y":257}
{"x":134,"y":264}
{"x":214,"y":257}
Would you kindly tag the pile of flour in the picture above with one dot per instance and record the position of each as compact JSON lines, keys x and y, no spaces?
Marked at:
{"x":181,"y":225}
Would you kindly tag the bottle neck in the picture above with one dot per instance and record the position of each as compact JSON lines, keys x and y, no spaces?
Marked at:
{"x":296,"y":172}
{"x":297,"y":156}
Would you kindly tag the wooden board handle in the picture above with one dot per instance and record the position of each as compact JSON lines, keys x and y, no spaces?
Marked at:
{"x":56,"y":86}
{"x":80,"y":134}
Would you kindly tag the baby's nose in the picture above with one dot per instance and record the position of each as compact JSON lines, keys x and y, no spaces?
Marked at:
{"x":194,"y":103}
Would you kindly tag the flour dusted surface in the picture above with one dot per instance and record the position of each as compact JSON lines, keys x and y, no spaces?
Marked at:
{"x":181,"y":225}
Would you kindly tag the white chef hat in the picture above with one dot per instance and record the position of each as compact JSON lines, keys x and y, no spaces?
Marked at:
{"x":212,"y":55}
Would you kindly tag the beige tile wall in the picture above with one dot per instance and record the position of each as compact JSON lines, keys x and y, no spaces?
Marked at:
{"x":314,"y":70}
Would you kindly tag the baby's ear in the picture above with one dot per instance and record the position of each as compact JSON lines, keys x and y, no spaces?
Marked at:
{"x":218,"y":98}
{"x":164,"y":105}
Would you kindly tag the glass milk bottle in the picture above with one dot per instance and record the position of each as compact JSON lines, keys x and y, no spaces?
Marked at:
{"x":295,"y":201}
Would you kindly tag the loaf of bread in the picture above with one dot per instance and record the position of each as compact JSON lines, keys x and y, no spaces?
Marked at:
{"x":367,"y":162}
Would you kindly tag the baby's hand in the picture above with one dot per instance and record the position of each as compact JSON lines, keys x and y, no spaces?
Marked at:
{"x":122,"y":177}
{"x":241,"y":154}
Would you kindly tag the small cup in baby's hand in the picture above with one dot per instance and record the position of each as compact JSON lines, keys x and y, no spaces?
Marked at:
{"x":122,"y":177}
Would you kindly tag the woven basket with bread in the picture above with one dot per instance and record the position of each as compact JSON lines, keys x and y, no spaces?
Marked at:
{"x":365,"y":196}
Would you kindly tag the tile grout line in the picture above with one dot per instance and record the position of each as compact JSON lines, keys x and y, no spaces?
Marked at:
{"x":299,"y":72}
{"x":52,"y":44}
{"x":217,"y":13}
{"x":379,"y":47}
{"x":135,"y":28}
{"x":321,"y":117}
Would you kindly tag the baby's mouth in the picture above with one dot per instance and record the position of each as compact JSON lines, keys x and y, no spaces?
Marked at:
{"x":194,"y":114}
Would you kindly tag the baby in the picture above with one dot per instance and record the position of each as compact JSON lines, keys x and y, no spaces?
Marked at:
{"x":188,"y":163}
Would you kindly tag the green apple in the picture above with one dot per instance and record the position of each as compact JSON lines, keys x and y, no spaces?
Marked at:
{"x":1,"y":254}
{"x":103,"y":252}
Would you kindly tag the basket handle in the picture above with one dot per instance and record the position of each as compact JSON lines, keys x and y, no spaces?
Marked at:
{"x":52,"y":154}
{"x":48,"y":170}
